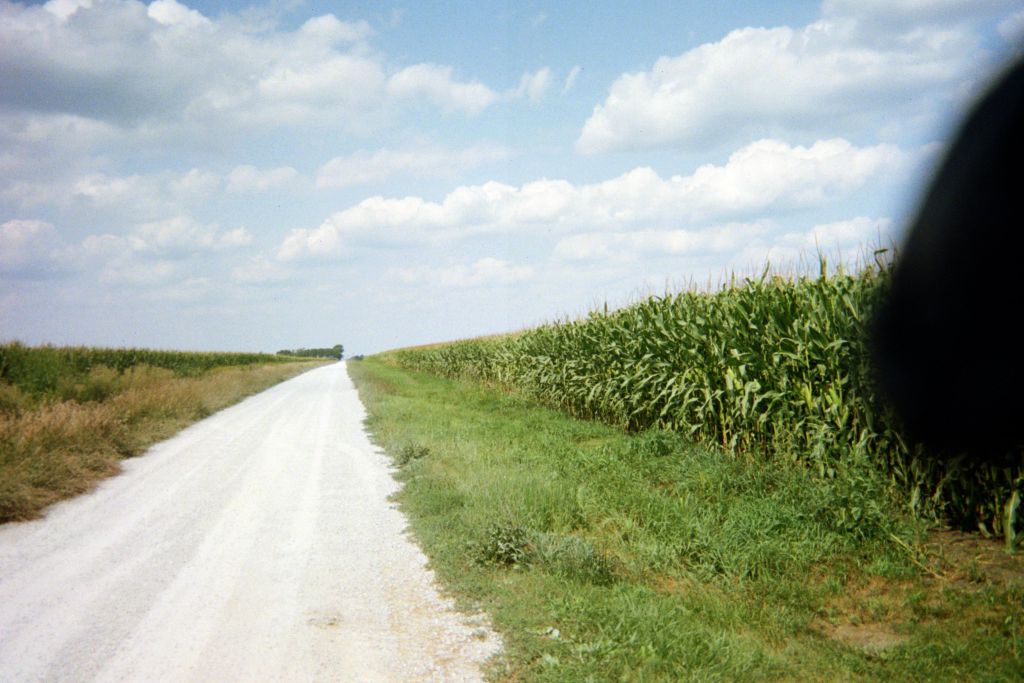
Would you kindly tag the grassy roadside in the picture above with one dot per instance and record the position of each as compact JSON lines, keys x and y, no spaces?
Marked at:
{"x":606,"y":557}
{"x":54,"y":449}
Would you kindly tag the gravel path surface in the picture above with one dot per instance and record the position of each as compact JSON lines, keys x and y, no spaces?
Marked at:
{"x":257,"y":545}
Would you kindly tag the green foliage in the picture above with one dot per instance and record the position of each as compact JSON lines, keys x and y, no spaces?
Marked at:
{"x":337,"y":351}
{"x":506,"y":545}
{"x":769,"y":365}
{"x":89,"y":374}
{"x":574,"y":558}
{"x":410,"y":452}
{"x":608,"y":556}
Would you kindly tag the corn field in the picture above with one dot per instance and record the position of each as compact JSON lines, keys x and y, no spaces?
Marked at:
{"x":770,"y":365}
{"x":40,"y":371}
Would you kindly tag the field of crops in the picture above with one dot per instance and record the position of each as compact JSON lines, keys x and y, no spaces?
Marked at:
{"x":53,"y":371}
{"x":69,"y":415}
{"x":772,"y":366}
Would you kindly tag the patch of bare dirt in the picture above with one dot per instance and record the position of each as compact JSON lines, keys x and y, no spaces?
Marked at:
{"x":868,"y":616}
{"x":871,"y":638}
{"x":966,"y":558}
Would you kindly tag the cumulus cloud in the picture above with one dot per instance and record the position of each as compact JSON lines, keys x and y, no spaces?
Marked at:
{"x":171,"y":13}
{"x":251,"y":179}
{"x":182,"y":236}
{"x":857,"y":65}
{"x":434,"y":83}
{"x":330,"y":30}
{"x":350,"y":80}
{"x":767,"y":173}
{"x":848,"y":242}
{"x":484,"y":272}
{"x":96,"y":189}
{"x":166,"y":69}
{"x":195,"y":183}
{"x":323,"y":242}
{"x":239,"y":237}
{"x":660,"y":258}
{"x":156,"y":253}
{"x":134,"y":197}
{"x":625,"y":246}
{"x":65,"y":8}
{"x":28,"y":247}
{"x":853,"y":232}
{"x":362,"y":167}
{"x":172,"y":238}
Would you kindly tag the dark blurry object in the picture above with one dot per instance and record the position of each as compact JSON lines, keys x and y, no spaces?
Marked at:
{"x":947,"y":342}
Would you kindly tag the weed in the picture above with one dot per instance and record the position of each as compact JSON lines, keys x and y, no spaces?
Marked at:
{"x":505,"y":545}
{"x":574,"y":558}
{"x":410,"y":452}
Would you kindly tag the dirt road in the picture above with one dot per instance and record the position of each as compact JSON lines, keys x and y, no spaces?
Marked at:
{"x":257,"y":545}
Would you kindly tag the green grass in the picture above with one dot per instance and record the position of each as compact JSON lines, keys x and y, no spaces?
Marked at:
{"x":772,"y":365}
{"x":608,"y":556}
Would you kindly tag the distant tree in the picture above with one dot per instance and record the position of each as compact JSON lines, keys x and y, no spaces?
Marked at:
{"x":336,"y":351}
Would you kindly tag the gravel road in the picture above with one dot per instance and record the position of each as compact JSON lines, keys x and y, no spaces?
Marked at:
{"x":257,"y":545}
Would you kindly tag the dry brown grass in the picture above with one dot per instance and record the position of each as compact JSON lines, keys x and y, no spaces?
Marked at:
{"x":55,"y":450}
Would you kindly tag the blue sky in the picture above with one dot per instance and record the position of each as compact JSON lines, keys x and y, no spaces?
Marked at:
{"x":253,"y":177}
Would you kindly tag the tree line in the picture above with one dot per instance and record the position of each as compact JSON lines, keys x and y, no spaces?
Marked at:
{"x":336,"y":351}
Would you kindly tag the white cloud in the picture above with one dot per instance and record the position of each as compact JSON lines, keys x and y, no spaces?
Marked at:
{"x":166,"y":72}
{"x":848,"y":243}
{"x":66,"y":132}
{"x":626,"y":246}
{"x":329,"y":30}
{"x":239,"y":237}
{"x":854,"y":232}
{"x":841,"y":72}
{"x":259,"y":270}
{"x":104,"y":190}
{"x":157,"y":254}
{"x":482,"y":273}
{"x":434,"y":84}
{"x":770,"y":170}
{"x":351,"y":80}
{"x":172,"y":238}
{"x":251,"y":179}
{"x":533,"y":86}
{"x":765,"y":174}
{"x":659,"y":258}
{"x":65,"y":8}
{"x":319,"y":243}
{"x":570,"y":80}
{"x":27,"y":246}
{"x":195,"y":183}
{"x":135,"y":197}
{"x":171,"y":13}
{"x":362,"y":167}
{"x":179,"y":235}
